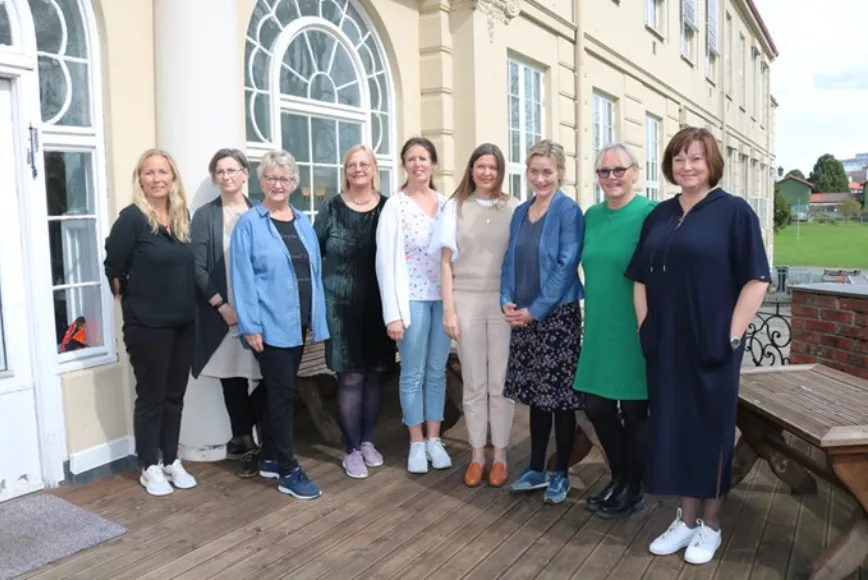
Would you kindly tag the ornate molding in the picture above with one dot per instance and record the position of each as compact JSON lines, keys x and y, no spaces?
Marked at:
{"x":495,"y":11}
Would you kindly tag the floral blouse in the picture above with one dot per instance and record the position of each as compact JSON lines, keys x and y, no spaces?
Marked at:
{"x":423,"y":269}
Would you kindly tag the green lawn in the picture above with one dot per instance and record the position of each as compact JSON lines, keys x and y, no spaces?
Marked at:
{"x":823,"y":245}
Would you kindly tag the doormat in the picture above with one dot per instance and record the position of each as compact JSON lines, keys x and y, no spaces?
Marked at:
{"x":40,"y":529}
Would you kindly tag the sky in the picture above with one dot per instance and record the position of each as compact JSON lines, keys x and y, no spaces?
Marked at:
{"x":820,"y":78}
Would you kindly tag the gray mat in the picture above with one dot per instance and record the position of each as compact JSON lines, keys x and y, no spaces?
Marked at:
{"x":40,"y":529}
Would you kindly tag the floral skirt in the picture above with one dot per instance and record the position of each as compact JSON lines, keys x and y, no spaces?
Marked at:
{"x":542,"y":361}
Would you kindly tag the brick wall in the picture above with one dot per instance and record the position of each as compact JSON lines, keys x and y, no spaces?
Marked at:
{"x":830,"y":327}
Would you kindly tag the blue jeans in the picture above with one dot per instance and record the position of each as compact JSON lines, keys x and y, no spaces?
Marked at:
{"x":424,"y":352}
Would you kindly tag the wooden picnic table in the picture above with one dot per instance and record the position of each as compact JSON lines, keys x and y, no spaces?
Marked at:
{"x":827,"y":409}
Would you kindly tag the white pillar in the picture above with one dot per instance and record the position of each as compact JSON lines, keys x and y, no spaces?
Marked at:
{"x":199,"y":86}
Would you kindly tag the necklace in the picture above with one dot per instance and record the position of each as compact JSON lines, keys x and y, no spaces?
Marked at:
{"x":365,"y":201}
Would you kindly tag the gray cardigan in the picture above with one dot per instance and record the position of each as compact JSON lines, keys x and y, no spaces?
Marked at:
{"x":206,"y":236}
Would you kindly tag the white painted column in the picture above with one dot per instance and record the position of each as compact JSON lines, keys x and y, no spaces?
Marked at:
{"x":199,"y":90}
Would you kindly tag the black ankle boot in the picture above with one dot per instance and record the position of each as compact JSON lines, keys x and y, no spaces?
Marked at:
{"x":625,"y":500}
{"x":594,"y":502}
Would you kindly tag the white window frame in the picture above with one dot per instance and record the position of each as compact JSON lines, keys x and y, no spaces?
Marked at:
{"x":689,"y":29}
{"x":652,"y":157}
{"x":764,"y":100}
{"x":280,"y":103}
{"x":728,"y":58}
{"x":740,"y":64}
{"x":655,"y":12}
{"x":90,"y":140}
{"x":605,"y":129}
{"x":526,"y":139}
{"x":756,"y":81}
{"x":712,"y":38}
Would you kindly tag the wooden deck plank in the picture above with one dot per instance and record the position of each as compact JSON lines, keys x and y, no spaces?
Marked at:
{"x":394,"y":525}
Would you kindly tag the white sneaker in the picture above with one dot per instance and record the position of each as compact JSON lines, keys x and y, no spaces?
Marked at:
{"x":154,"y":481}
{"x":673,"y":539}
{"x":178,"y":476}
{"x":417,"y":462}
{"x":437,"y":454}
{"x":704,"y":544}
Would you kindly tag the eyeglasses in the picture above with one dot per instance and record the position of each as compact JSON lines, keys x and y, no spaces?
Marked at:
{"x":283,"y":181}
{"x":363,"y":166}
{"x":230,"y":173}
{"x":603,"y":173}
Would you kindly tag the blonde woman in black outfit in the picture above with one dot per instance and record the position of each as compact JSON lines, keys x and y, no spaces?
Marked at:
{"x":149,"y":265}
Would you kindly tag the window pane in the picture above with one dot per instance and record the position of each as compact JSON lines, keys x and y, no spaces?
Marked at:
{"x":300,"y":198}
{"x":513,"y":78}
{"x":515,"y":146}
{"x":386,"y":185}
{"x":68,"y":183}
{"x":78,"y":313}
{"x":5,"y":38}
{"x":322,"y":88}
{"x":515,"y":181}
{"x":325,"y":147}
{"x":74,"y":258}
{"x":350,"y":134}
{"x":254,"y":190}
{"x":295,"y":136}
{"x":325,"y":184}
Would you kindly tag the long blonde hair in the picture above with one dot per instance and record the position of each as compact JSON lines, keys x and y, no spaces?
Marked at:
{"x":179,"y":215}
{"x":375,"y":168}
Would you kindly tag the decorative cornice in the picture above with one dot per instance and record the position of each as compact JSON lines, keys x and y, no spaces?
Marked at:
{"x":495,"y":10}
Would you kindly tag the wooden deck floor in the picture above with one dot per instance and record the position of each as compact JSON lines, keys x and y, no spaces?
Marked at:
{"x":394,"y":525}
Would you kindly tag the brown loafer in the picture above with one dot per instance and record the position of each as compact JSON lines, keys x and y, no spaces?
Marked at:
{"x":473,"y":475}
{"x":498,"y":474}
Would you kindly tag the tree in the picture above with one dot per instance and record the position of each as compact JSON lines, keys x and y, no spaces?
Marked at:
{"x":865,"y":195}
{"x":796,"y":173}
{"x":783,"y":211}
{"x":828,"y":176}
{"x":850,"y":207}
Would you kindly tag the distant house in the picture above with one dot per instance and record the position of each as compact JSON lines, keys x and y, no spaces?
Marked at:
{"x":797,"y":192}
{"x":855,"y":187}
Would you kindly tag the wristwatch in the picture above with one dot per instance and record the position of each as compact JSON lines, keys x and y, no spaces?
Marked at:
{"x":735,"y":342}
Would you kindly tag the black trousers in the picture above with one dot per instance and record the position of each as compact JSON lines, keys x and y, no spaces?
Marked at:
{"x":245,"y":408}
{"x":161,"y":360}
{"x":279,"y":368}
{"x":623,"y":437}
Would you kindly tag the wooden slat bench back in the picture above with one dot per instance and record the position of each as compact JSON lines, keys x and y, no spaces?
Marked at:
{"x":825,"y":407}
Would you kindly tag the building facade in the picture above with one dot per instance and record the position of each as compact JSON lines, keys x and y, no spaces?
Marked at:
{"x":87,"y":85}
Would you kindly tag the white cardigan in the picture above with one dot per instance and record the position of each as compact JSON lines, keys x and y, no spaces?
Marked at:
{"x":391,"y":262}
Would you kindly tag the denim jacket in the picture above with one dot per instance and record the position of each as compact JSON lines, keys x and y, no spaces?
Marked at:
{"x":560,"y":251}
{"x":264,"y":286}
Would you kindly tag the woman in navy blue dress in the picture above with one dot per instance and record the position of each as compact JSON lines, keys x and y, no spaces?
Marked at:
{"x":700,"y":272}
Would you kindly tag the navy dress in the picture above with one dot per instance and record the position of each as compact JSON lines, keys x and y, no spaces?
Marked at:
{"x":693,"y":271}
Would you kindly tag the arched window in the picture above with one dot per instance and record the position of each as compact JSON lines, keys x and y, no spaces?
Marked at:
{"x":316,"y":83}
{"x":73,"y":152}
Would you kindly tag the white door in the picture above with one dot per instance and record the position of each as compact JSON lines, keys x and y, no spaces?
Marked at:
{"x":20,"y":467}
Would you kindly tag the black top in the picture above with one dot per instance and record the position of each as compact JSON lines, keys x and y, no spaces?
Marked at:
{"x":527,"y":281}
{"x":155,"y":270}
{"x":206,"y":237}
{"x":301,"y":265}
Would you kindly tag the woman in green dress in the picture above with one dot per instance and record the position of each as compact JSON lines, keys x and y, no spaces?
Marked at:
{"x":611,"y":370}
{"x":359,"y":351}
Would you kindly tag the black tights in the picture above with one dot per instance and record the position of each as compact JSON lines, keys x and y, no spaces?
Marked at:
{"x":541,"y":428}
{"x":623,"y":438}
{"x":358,"y":406}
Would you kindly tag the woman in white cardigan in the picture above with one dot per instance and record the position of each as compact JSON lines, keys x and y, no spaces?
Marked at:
{"x":409,"y":279}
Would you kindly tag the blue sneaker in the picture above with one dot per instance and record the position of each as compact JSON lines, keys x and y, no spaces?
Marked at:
{"x":559,"y":487}
{"x":268,"y":469}
{"x":297,"y":484}
{"x":529,"y":480}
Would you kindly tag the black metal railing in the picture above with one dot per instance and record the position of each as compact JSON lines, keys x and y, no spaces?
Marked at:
{"x":769,"y":335}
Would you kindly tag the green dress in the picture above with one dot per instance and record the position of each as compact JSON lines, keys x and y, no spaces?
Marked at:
{"x":354,"y":313}
{"x":611,"y":363}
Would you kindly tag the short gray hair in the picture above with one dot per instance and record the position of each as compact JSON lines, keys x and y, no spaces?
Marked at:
{"x":621,"y":149}
{"x":278,"y":159}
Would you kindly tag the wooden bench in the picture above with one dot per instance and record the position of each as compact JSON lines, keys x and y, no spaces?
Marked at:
{"x":316,"y":384}
{"x":827,"y":409}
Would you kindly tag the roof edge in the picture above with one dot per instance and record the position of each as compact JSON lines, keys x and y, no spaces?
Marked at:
{"x":762,"y":25}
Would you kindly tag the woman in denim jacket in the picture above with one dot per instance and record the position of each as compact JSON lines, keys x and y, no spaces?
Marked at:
{"x":539,"y":294}
{"x":278,"y":294}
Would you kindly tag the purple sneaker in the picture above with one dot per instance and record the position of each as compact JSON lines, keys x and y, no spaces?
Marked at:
{"x":371,"y":455}
{"x":354,"y":465}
